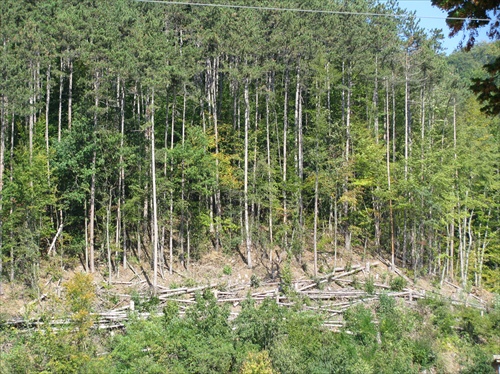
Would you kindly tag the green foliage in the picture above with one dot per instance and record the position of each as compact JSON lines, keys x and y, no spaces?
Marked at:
{"x":96,"y":68}
{"x":359,"y":321}
{"x":80,"y":296}
{"x":480,"y":363}
{"x":254,"y":281}
{"x":257,"y":363}
{"x":370,"y":285}
{"x":262,"y":325}
{"x":397,"y":284}
{"x":227,"y":270}
{"x":442,"y":316}
{"x":286,"y":276}
{"x":330,"y":99}
{"x":80,"y":292}
{"x":267,"y":338}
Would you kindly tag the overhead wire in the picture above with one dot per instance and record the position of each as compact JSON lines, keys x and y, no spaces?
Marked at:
{"x":321,"y":11}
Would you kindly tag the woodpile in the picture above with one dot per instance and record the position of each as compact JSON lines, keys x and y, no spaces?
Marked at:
{"x":331,"y":294}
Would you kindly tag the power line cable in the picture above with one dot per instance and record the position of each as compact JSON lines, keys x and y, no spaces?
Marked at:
{"x":322,"y":11}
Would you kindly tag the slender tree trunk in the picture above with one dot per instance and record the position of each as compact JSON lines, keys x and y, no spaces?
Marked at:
{"x":375,"y":102}
{"x":388,"y":165}
{"x":406,"y":153}
{"x":11,"y":179}
{"x":171,"y":210}
{"x":285,"y":141}
{"x":347,"y":111}
{"x":3,"y":124}
{"x":87,"y":259}
{"x":108,"y":244}
{"x":467,"y":246}
{"x":213,"y":76}
{"x":32,"y":115}
{"x":47,"y":107}
{"x":269,"y":176}
{"x":93,"y":179}
{"x":451,"y":270}
{"x":256,"y":202}
{"x":92,"y":214}
{"x":183,"y":177}
{"x":153,"y":183}
{"x":165,"y":163}
{"x":248,"y":238}
{"x":315,"y":239}
{"x":393,"y":94}
{"x":70,"y":93}
{"x":300,"y":157}
{"x":61,"y":87}
{"x":120,"y":229}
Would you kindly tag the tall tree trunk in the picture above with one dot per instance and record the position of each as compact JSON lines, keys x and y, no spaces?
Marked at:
{"x":47,"y":105}
{"x":300,"y":157}
{"x":92,"y":214}
{"x":316,"y":183}
{"x":3,"y":124}
{"x":347,"y":113}
{"x":388,"y":165}
{"x":451,"y":270}
{"x":255,"y":201}
{"x":183,"y":176}
{"x":153,"y":183}
{"x":375,"y":102}
{"x":285,"y":141}
{"x":11,"y":179}
{"x":248,"y":238}
{"x":406,"y":153}
{"x":171,"y":210}
{"x":93,"y":179}
{"x":61,"y":87}
{"x":70,"y":93}
{"x":32,"y":114}
{"x":213,"y":89}
{"x":269,"y":176}
{"x":120,"y":226}
{"x":108,"y":244}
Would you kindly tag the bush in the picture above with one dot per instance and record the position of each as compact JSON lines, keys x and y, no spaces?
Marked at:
{"x":423,"y":353}
{"x":227,"y":270}
{"x":359,"y":321}
{"x":398,"y":284}
{"x":370,"y":286}
{"x":257,"y":363}
{"x":480,"y":363}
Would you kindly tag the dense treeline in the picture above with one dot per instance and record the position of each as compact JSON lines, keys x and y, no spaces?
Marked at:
{"x":162,"y":132}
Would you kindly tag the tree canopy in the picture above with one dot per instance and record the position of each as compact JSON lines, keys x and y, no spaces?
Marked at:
{"x":161,"y":132}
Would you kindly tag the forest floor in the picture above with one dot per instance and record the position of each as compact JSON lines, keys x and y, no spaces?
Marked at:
{"x":222,"y":272}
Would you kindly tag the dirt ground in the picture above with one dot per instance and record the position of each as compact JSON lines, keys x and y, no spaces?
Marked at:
{"x":19,"y":301}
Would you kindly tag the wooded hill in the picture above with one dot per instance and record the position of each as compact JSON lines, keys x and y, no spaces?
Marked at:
{"x":163,"y":132}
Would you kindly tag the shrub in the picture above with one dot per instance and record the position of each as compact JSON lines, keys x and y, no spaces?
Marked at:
{"x":398,"y":284}
{"x":370,"y":286}
{"x":227,"y":270}
{"x":257,"y":363}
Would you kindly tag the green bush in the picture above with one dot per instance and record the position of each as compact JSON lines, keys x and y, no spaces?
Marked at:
{"x":398,"y":284}
{"x":227,"y":270}
{"x":480,"y":363}
{"x":359,"y":321}
{"x":370,"y":286}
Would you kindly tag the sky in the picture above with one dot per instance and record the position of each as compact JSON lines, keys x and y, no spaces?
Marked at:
{"x":423,"y":8}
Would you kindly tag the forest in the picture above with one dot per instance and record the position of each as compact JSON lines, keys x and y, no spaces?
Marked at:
{"x":164,"y":132}
{"x":157,"y":134}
